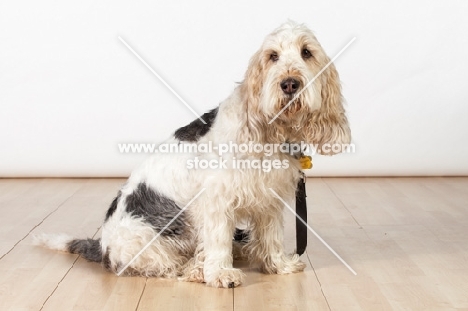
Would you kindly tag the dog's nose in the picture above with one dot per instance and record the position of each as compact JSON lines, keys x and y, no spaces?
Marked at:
{"x":290,"y":86}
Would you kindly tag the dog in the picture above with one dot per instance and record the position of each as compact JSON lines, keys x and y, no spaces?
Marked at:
{"x":154,"y":227}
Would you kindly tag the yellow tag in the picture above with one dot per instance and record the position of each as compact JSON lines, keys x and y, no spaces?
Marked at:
{"x":306,"y":162}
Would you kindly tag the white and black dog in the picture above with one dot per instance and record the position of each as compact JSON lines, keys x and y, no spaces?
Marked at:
{"x":197,"y":245}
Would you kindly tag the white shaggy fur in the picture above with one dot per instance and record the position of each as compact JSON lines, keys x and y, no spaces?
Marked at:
{"x":53,"y":241}
{"x":203,"y":253}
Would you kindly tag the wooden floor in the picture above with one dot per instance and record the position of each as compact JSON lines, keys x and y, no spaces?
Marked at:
{"x":407,"y":239}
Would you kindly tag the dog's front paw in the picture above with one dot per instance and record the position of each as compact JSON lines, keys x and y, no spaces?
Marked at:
{"x":291,"y":266}
{"x":227,"y":278}
{"x":192,"y":275}
{"x":287,"y":265}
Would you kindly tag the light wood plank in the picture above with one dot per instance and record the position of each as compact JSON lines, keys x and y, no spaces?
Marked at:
{"x":399,"y":253}
{"x":89,"y":287}
{"x":406,"y":238}
{"x":163,"y":294}
{"x":42,"y":269}
{"x":27,"y":203}
{"x":300,"y":291}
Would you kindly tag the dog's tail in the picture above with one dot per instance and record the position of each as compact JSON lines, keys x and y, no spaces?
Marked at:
{"x":89,"y":249}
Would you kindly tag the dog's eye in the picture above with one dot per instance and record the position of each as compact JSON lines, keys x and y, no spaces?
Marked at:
{"x":306,"y":53}
{"x":274,"y":56}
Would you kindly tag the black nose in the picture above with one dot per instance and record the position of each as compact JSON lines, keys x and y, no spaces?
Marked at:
{"x":290,"y":86}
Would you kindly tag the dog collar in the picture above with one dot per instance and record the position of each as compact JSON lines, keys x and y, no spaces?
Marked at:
{"x":306,"y":162}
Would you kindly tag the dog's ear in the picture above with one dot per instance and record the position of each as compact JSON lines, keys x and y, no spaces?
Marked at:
{"x":255,"y":129}
{"x":253,"y":81}
{"x":328,"y":126}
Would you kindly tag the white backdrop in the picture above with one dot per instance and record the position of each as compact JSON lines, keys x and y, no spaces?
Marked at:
{"x":70,"y":91}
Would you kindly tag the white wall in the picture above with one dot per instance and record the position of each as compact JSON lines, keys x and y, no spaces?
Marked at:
{"x":70,"y":91}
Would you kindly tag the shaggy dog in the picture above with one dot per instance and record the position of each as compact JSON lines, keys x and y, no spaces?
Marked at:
{"x":155,"y":227}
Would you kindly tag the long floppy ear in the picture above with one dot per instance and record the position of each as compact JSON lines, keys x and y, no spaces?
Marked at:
{"x":328,"y":126}
{"x":251,"y":89}
{"x":253,"y":81}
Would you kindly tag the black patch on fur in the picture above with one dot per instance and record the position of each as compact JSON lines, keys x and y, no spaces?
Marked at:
{"x":155,"y":209}
{"x":113,"y":206}
{"x":89,"y":249}
{"x":196,"y":129}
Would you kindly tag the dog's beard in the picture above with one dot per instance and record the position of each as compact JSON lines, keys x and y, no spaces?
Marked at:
{"x":290,"y":105}
{"x":293,"y":116}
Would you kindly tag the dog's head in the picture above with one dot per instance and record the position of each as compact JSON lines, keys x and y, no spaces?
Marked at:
{"x":287,"y":86}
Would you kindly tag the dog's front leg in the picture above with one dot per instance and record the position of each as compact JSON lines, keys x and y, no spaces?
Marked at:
{"x":218,"y":231}
{"x":266,"y":244}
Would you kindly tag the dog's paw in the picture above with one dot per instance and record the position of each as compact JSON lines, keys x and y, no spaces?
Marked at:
{"x":291,"y":267}
{"x":193,"y":271}
{"x":287,"y":265}
{"x":194,"y":275}
{"x":227,"y":278}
